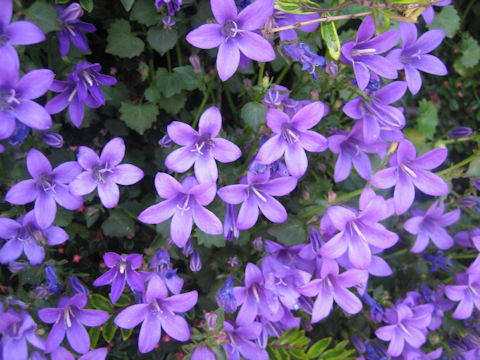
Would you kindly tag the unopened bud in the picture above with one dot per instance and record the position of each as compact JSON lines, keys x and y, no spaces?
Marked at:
{"x":460,"y":132}
{"x":332,"y":197}
{"x":77,"y":286}
{"x":16,"y":266}
{"x":53,"y":139}
{"x":314,"y":94}
{"x":71,"y":13}
{"x":211,"y":319}
{"x":195,"y":61}
{"x":195,"y":262}
{"x":332,"y":68}
{"x":257,"y":243}
{"x":188,"y":248}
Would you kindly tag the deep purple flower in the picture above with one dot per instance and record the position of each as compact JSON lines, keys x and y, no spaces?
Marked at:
{"x":467,"y":291}
{"x":307,"y":58}
{"x":122,"y":268}
{"x":239,"y":341}
{"x":48,"y":187}
{"x":172,"y":5}
{"x":413,"y":55}
{"x":157,"y":312}
{"x":104,"y":172}
{"x":429,"y":13}
{"x":201,"y":148}
{"x":460,"y":132}
{"x":235,"y":34}
{"x":185,"y":204}
{"x":162,"y":267}
{"x":376,"y":310}
{"x":25,"y":235}
{"x":430,"y":225}
{"x":438,"y":261}
{"x":225,"y":296}
{"x":292,"y":137}
{"x":16,"y":96}
{"x":72,"y":28}
{"x":363,"y":53}
{"x":377,"y":115}
{"x":19,"y":134}
{"x":407,"y":172}
{"x":52,"y":139}
{"x":77,"y":286}
{"x":406,"y":325}
{"x":69,"y":319}
{"x":82,"y":87}
{"x":195,"y":262}
{"x":258,"y":193}
{"x":16,"y":33}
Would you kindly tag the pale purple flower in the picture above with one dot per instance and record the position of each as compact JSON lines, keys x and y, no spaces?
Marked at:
{"x":429,"y":13}
{"x":82,"y":87}
{"x":25,"y":235}
{"x":235,"y":34}
{"x":162,"y":267}
{"x":406,"y":326}
{"x":413,"y":55}
{"x":406,"y":172}
{"x":292,"y":137}
{"x":200,"y":148}
{"x":122,"y":268}
{"x":16,"y":96}
{"x":363,"y":53}
{"x":437,"y":299}
{"x":104,"y":172}
{"x":72,"y":28}
{"x":377,"y":115}
{"x":172,"y":5}
{"x":258,"y":193}
{"x":63,"y":354}
{"x":47,"y":188}
{"x":239,"y":341}
{"x":157,"y":312}
{"x":69,"y":318}
{"x":185,"y":204}
{"x":467,"y":291}
{"x":203,"y":352}
{"x":332,"y":286}
{"x":430,"y":225}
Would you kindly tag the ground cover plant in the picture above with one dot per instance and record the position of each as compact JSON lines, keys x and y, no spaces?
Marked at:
{"x":211,"y":179}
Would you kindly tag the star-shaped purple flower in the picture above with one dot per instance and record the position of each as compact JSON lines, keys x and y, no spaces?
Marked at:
{"x":16,"y":96}
{"x":47,"y":188}
{"x":122,"y":267}
{"x":292,"y":137}
{"x":105,"y":172}
{"x":258,"y":193}
{"x":235,"y":34}
{"x":239,"y":341}
{"x":172,"y":5}
{"x":467,"y":292}
{"x":407,"y":172}
{"x":185,"y":204}
{"x":201,"y":148}
{"x":24,"y":235}
{"x":157,"y":312}
{"x":363,"y":53}
{"x":69,"y":318}
{"x":413,"y":55}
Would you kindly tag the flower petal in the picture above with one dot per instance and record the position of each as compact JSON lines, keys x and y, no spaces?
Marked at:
{"x":126,"y":174}
{"x":296,"y":160}
{"x":404,"y":193}
{"x":87,"y":158}
{"x":167,"y":186}
{"x":206,"y":170}
{"x":432,"y":159}
{"x":255,"y":15}
{"x":181,"y":160}
{"x":271,"y":150}
{"x":108,"y":193}
{"x":24,"y":33}
{"x":210,"y":122}
{"x":45,"y":210}
{"x":78,"y":337}
{"x":66,"y":199}
{"x":131,"y":316}
{"x":181,"y":227}
{"x":158,"y":213}
{"x":233,"y":194}
{"x":83,"y":184}
{"x":33,"y":115}
{"x":225,"y":151}
{"x":22,"y":193}
{"x":255,"y":47}
{"x":228,"y":59}
{"x":430,"y":183}
{"x":35,"y":83}
{"x":176,"y":327}
{"x":272,"y":209}
{"x":150,"y":333}
{"x":207,"y":221}
{"x":248,"y":214}
{"x":113,"y":152}
{"x":223,"y":10}
{"x":37,"y":164}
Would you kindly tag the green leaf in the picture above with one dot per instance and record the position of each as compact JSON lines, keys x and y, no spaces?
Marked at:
{"x":474,"y":168}
{"x":330,"y":36}
{"x":288,"y":335}
{"x":94,"y":334}
{"x":428,"y":118}
{"x":470,"y":52}
{"x":123,"y":301}
{"x":173,"y":104}
{"x":87,"y":5}
{"x":118,"y":224}
{"x":190,"y":79}
{"x":168,"y":83}
{"x":138,"y":117}
{"x":295,"y":6}
{"x":145,"y":12}
{"x":209,"y":240}
{"x":318,"y":348}
{"x":448,"y":20}
{"x":298,"y":354}
{"x":332,"y":354}
{"x":162,"y":40}
{"x":127,"y":4}
{"x":126,"y":333}
{"x":44,"y":16}
{"x":253,"y":114}
{"x":109,"y":329}
{"x":291,"y":232}
{"x":122,"y":42}
{"x":382,"y":22}
{"x":100,"y":302}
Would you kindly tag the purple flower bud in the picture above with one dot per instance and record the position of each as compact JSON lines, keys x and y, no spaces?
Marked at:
{"x":195,"y":61}
{"x":258,"y":243}
{"x":306,"y":304}
{"x":225,"y":296}
{"x":476,"y":182}
{"x":272,"y":99}
{"x":211,"y":319}
{"x":460,"y":132}
{"x":20,"y":133}
{"x":71,"y":13}
{"x":16,"y":266}
{"x":50,"y":274}
{"x":77,"y":286}
{"x":359,"y":345}
{"x":138,"y":297}
{"x":161,"y":258}
{"x":168,"y":22}
{"x":315,"y":239}
{"x":41,"y":291}
{"x":53,"y":139}
{"x":230,"y":229}
{"x":15,"y":302}
{"x":188,"y":248}
{"x":468,"y":201}
{"x":195,"y":262}
{"x":165,"y":141}
{"x":332,"y":68}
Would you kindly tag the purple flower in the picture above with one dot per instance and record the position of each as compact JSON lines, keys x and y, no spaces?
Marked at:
{"x":429,"y":13}
{"x":467,"y":291}
{"x":122,"y":267}
{"x":407,"y":172}
{"x":16,"y":33}
{"x":157,"y":312}
{"x":280,"y":19}
{"x":230,"y":229}
{"x":172,"y":5}
{"x":163,"y":268}
{"x":63,"y":354}
{"x":438,"y":261}
{"x":82,"y":87}
{"x":69,"y":319}
{"x":377,"y":115}
{"x":258,"y":193}
{"x":238,"y":341}
{"x":292,"y":137}
{"x":235,"y":34}
{"x":25,"y":235}
{"x":77,"y":286}
{"x":332,"y":286}
{"x":351,"y":149}
{"x":201,"y":148}
{"x":413,"y":56}
{"x":16,"y":96}
{"x":203,"y":352}
{"x":430,"y":225}
{"x":52,"y":139}
{"x":460,"y":132}
{"x":407,"y":325}
{"x":185,"y":202}
{"x":195,"y":262}
{"x":308,"y":59}
{"x":225,"y":296}
{"x":48,"y":187}
{"x":72,"y":28}
{"x":363,"y":53}
{"x":104,"y":172}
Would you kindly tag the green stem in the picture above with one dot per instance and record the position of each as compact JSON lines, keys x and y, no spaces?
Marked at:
{"x":283,"y":73}
{"x":134,"y":217}
{"x":260,"y":74}
{"x":467,"y":10}
{"x":179,"y":54}
{"x":231,"y":104}
{"x":204,"y":100}
{"x":467,"y":138}
{"x":459,"y":165}
{"x":339,"y":200}
{"x":169,"y":61}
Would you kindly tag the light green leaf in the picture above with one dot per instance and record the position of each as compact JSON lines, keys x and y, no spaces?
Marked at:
{"x":126,"y":333}
{"x":109,"y":329}
{"x":190,"y":79}
{"x":470,"y":52}
{"x":162,"y":40}
{"x":122,"y":42}
{"x":138,"y":117}
{"x":87,"y":5}
{"x":94,"y":334}
{"x":448,"y":20}
{"x":173,"y":104}
{"x":330,"y":36}
{"x":118,"y":224}
{"x":318,"y":348}
{"x":127,"y":4}
{"x":291,"y":232}
{"x":44,"y":16}
{"x":253,"y":114}
{"x":100,"y":302}
{"x":209,"y":240}
{"x":428,"y":118}
{"x":145,"y":12}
